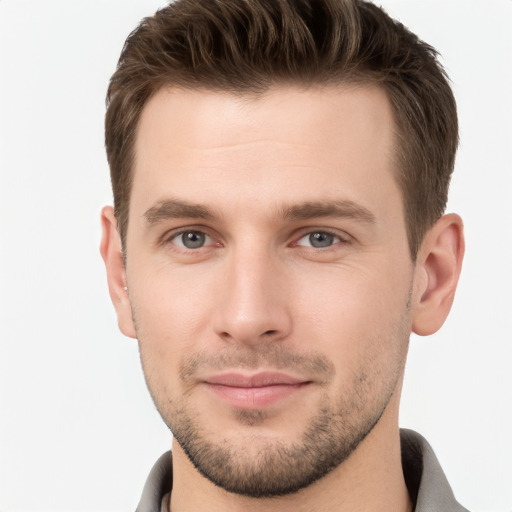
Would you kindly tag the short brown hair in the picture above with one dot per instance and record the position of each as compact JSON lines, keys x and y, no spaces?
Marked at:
{"x":245,"y":46}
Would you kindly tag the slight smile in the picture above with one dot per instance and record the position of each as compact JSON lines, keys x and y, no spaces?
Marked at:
{"x":256,"y":391}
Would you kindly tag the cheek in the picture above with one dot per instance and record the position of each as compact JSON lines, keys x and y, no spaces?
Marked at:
{"x":171,"y":312}
{"x":354,"y":314}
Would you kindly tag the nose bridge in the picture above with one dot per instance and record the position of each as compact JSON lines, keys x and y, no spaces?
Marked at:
{"x":252,"y":304}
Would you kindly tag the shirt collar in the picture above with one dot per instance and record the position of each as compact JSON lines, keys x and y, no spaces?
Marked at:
{"x":424,"y":477}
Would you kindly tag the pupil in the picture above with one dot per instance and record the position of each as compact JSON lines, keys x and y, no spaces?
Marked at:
{"x":193,"y":239}
{"x":321,"y":239}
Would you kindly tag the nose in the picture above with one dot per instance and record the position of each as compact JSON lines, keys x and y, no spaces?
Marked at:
{"x":253,"y":305}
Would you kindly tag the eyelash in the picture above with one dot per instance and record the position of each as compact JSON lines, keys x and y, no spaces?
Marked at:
{"x":341,"y":239}
{"x":167,"y":239}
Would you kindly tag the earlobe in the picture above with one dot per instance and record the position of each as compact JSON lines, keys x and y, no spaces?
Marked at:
{"x":437,"y":272}
{"x":111,"y":252}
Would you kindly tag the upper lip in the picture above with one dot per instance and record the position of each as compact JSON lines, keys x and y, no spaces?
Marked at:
{"x":261,"y":379}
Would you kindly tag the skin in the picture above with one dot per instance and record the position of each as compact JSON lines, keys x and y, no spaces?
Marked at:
{"x":255,"y":295}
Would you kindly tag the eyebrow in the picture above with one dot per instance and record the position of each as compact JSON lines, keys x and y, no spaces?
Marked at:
{"x":340,"y":208}
{"x":178,"y":209}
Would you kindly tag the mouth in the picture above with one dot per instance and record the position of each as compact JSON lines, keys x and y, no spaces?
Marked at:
{"x":257,"y":391}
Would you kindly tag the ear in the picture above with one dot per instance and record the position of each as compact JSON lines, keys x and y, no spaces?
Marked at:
{"x":111,"y":252}
{"x":437,"y":272}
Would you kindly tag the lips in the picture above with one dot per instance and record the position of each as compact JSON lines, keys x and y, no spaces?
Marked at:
{"x":256,"y":391}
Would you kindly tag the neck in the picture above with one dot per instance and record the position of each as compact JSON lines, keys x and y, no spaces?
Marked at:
{"x":371,"y":479}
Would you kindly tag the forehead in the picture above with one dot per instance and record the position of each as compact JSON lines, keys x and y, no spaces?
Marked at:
{"x":288,"y":142}
{"x":319,"y":114}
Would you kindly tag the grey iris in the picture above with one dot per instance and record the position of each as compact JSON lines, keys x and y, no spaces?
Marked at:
{"x":193,"y":239}
{"x":321,"y":239}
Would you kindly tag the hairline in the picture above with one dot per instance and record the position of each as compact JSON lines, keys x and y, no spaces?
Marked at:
{"x":347,"y":79}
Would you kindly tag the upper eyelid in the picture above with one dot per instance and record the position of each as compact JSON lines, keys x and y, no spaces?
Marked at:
{"x":168,"y":236}
{"x":343,"y":235}
{"x":173,"y":232}
{"x":295,"y":236}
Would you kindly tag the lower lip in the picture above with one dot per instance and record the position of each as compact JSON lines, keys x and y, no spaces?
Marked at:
{"x":255,"y":397}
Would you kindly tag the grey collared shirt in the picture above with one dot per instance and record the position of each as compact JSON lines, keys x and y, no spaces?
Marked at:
{"x":425,"y":479}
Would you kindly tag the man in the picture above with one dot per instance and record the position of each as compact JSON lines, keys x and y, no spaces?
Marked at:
{"x":280,"y":171}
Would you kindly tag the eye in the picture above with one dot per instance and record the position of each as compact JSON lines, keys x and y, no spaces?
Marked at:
{"x":191,"y":239}
{"x":319,"y":240}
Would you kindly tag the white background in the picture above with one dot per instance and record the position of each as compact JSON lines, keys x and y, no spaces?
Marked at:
{"x":77,"y":428}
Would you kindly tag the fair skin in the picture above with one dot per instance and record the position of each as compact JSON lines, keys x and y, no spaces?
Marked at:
{"x":269,"y":283}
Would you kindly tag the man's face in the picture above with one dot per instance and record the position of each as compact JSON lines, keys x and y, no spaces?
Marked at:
{"x":269,"y":277}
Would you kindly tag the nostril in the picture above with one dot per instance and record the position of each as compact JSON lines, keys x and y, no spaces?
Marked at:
{"x":270,"y":332}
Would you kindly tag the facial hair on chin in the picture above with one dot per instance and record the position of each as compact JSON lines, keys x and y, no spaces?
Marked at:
{"x":277,"y":468}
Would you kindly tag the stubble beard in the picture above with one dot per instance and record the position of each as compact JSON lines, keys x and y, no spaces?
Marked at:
{"x":281,"y":467}
{"x":277,"y":468}
{"x":264,"y":467}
